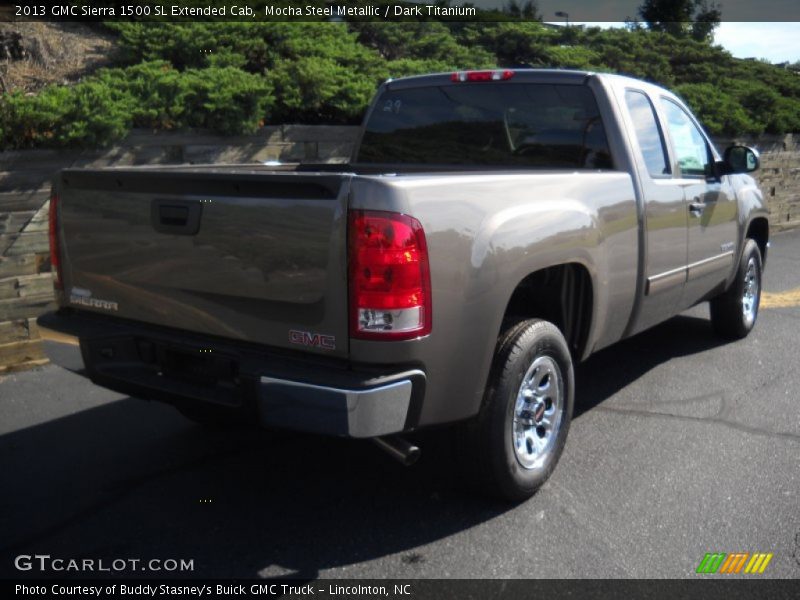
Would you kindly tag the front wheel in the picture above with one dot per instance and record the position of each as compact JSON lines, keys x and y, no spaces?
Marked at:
{"x":522,"y":428}
{"x":734,"y":312}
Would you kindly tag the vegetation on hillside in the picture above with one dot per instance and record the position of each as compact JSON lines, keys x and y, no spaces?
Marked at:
{"x":233,"y":77}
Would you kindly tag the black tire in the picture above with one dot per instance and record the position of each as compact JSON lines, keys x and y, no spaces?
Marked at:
{"x":732,"y":316}
{"x":532,"y":348}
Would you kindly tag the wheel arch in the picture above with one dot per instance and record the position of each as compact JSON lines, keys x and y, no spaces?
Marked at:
{"x":563,"y":294}
{"x":758,"y":231}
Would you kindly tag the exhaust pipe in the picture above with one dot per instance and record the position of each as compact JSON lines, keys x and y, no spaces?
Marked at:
{"x":401,"y":450}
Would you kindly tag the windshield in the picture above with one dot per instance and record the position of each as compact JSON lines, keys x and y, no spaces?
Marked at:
{"x":516,"y":125}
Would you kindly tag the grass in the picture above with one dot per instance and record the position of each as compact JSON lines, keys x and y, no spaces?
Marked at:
{"x":57,"y":53}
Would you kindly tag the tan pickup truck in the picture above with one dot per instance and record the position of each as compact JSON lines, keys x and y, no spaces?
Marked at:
{"x":493,"y":228}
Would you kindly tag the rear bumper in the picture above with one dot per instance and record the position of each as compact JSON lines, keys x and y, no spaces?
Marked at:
{"x":277,"y":388}
{"x":63,"y":349}
{"x":369,"y":412}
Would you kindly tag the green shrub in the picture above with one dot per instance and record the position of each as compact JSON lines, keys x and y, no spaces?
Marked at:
{"x":719,"y":112}
{"x":224,"y":99}
{"x":314,"y":90}
{"x":427,"y":41}
{"x":87,"y":115}
{"x":232,"y":76}
{"x":194,"y":45}
{"x":154,"y":95}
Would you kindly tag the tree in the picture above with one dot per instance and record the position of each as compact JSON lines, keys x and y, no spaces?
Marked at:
{"x":528,"y":10}
{"x":706,"y":19}
{"x":682,"y":18}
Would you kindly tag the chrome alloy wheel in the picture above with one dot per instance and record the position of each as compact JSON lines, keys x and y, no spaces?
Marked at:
{"x":538,"y":412}
{"x":750,"y":292}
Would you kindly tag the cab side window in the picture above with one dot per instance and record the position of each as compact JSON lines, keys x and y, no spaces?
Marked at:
{"x":691,"y":149}
{"x":648,"y":133}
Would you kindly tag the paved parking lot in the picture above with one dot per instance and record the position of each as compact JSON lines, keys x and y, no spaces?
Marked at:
{"x":681,"y":445}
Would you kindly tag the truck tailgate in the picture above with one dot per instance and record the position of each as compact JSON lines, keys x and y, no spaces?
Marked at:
{"x":238,"y":253}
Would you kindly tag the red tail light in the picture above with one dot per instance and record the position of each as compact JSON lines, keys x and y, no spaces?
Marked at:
{"x":55,"y":251}
{"x":495,"y":75}
{"x":390,"y":283}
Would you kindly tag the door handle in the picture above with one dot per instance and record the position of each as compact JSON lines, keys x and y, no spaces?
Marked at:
{"x":177,"y":217}
{"x":173,"y":216}
{"x":696,"y":208}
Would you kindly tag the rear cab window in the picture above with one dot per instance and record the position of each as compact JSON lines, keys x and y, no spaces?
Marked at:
{"x":531,"y":125}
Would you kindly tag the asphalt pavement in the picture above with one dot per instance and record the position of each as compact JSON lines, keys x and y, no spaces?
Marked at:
{"x":681,"y":445}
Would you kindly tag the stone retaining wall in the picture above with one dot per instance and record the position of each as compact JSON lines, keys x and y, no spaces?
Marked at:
{"x":779,"y":176}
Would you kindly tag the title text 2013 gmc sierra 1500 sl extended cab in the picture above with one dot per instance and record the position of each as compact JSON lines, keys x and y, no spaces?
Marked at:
{"x":492,"y":228}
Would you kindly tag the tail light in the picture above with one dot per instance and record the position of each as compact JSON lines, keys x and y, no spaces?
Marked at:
{"x":55,"y":251}
{"x":390,"y":283}
{"x":495,"y":75}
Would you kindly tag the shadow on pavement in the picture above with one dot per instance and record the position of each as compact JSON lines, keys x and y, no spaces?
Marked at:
{"x":612,"y":369}
{"x":134,"y":479}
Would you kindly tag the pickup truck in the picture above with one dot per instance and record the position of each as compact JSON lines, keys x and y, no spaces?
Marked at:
{"x":492,"y":229}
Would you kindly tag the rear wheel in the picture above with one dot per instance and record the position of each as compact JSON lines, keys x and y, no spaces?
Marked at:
{"x":522,"y":428}
{"x":734,"y":313}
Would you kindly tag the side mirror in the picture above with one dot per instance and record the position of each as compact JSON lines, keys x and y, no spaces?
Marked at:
{"x":741,"y":159}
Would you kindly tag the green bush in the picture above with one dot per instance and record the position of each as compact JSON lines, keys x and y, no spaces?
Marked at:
{"x":315,"y":90}
{"x":224,"y":99}
{"x":512,"y":44}
{"x":721,"y":112}
{"x":428,"y":41}
{"x":102,"y":109}
{"x":189,"y":45}
{"x":232,"y":76}
{"x":88,"y":114}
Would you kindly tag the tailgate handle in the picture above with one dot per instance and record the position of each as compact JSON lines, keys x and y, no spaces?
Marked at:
{"x":178,"y":217}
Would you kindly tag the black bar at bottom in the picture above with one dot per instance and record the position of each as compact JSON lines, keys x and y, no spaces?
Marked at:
{"x":702,"y":588}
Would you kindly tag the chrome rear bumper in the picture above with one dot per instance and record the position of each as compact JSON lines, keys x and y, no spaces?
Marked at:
{"x":285,"y":392}
{"x":357,"y":413}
